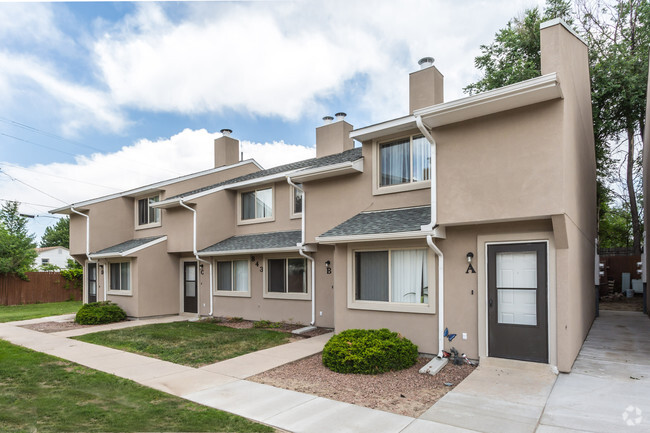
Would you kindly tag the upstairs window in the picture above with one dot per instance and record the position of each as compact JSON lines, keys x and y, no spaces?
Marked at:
{"x":403,"y":161}
{"x":257,"y":204}
{"x":148,"y":215}
{"x":296,"y":201}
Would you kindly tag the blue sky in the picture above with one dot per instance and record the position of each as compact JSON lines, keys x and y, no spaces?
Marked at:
{"x":101,"y":97}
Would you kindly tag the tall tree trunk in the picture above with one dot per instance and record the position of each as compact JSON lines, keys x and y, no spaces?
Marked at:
{"x":634,"y":210}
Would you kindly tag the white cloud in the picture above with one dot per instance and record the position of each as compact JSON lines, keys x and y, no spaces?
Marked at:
{"x":144,"y":162}
{"x":78,"y":105}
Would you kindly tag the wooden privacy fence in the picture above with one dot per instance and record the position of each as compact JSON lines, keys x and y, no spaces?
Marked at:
{"x":41,"y":287}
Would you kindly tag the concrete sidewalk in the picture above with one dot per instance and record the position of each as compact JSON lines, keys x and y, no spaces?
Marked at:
{"x":608,"y":389}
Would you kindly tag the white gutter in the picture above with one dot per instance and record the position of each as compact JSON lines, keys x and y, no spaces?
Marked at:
{"x":196,"y":254}
{"x":441,"y":294}
{"x":432,"y":167}
{"x":301,"y":251}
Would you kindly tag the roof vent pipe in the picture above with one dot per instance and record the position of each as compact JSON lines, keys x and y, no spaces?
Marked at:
{"x":340,"y":116}
{"x":425,"y":62}
{"x":327,"y":120}
{"x":226,"y":132}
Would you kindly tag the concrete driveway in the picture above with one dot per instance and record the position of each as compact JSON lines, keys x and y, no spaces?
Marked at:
{"x":608,"y":389}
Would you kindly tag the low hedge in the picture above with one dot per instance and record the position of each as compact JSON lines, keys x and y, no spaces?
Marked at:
{"x":97,"y":313}
{"x":369,"y":351}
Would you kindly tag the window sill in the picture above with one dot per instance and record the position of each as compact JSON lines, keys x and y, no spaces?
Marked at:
{"x":295,"y":216}
{"x":391,"y":307}
{"x":392,"y":189}
{"x":119,"y":293}
{"x":288,"y":296}
{"x":148,"y":226}
{"x":255,"y":221}
{"x":232,"y":294}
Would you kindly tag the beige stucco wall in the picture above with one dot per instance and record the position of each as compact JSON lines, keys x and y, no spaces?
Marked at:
{"x":158,"y":284}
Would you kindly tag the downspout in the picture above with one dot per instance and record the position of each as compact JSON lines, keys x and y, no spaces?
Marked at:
{"x":72,"y":209}
{"x":302,"y":252}
{"x":430,"y":227}
{"x":434,"y":203}
{"x":196,"y":254}
{"x":441,"y":294}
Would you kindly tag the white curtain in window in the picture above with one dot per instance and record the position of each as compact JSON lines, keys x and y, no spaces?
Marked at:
{"x":240,"y":271}
{"x":125,"y":276}
{"x":264,"y":199}
{"x":395,"y":162}
{"x":421,"y":159}
{"x":408,"y":275}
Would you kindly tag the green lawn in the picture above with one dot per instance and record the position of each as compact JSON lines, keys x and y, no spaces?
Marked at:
{"x":47,"y":394}
{"x":33,"y":311}
{"x":188,"y":343}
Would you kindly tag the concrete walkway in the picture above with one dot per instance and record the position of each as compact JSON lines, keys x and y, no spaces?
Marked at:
{"x":608,"y":389}
{"x":611,"y":378}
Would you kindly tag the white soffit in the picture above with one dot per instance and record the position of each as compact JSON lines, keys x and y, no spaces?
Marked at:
{"x":529,"y":92}
{"x":329,"y":171}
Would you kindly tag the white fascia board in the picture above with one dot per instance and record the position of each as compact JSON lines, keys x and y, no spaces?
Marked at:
{"x":339,"y":169}
{"x":384,"y":128}
{"x":231,"y":186}
{"x":329,"y":240}
{"x":529,"y":92}
{"x":252,"y":251}
{"x":129,"y":252}
{"x":150,"y":188}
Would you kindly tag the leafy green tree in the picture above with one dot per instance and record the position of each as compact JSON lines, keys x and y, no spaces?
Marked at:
{"x":57,"y":235}
{"x":615,"y":228}
{"x":618,"y":33}
{"x":17,"y":246}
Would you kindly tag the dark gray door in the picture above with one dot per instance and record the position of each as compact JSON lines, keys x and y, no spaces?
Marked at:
{"x":92,"y":282}
{"x":517,"y":301}
{"x":189,"y":287}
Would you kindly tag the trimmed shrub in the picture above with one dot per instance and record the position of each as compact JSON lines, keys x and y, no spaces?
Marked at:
{"x":369,"y":351}
{"x":97,"y":313}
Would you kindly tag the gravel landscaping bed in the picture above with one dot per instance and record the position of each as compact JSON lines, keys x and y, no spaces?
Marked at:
{"x":48,"y":327}
{"x":405,"y":392}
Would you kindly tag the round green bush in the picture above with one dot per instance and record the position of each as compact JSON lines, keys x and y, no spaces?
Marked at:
{"x":369,"y":351}
{"x":96,"y":313}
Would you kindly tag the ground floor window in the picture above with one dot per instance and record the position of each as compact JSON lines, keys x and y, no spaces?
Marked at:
{"x":398,"y":276}
{"x":120,"y":276}
{"x":232,"y":276}
{"x":287,"y":275}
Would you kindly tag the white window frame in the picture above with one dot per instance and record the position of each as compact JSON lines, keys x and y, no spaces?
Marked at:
{"x":399,"y":307}
{"x":292,"y":201}
{"x":228,"y":293}
{"x":377,"y":189}
{"x":286,"y":295}
{"x":120,"y":292}
{"x":241,"y":221}
{"x":149,"y":225}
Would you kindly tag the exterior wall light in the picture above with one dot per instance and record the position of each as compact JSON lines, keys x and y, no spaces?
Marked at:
{"x":328,"y":268}
{"x":201,"y":268}
{"x":470,"y":268}
{"x":101,"y":269}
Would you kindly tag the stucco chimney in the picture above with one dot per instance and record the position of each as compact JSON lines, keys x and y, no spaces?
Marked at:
{"x":333,"y":137}
{"x":226,"y":149}
{"x":426,"y":86}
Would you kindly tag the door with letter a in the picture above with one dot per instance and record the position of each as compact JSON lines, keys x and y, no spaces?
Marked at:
{"x":517,"y":301}
{"x":189,"y":287}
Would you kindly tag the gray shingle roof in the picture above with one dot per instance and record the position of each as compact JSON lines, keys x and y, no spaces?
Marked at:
{"x":385,"y":221}
{"x":128,"y":245}
{"x":256,"y":242}
{"x":347,"y":156}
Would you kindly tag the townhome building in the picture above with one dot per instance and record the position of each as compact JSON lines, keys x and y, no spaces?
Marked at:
{"x":475,"y":217}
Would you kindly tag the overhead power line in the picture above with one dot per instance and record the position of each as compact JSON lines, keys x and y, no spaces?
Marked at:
{"x":32,"y":187}
{"x":60,"y":177}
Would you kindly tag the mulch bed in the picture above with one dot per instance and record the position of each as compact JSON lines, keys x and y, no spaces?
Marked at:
{"x":619,"y":302}
{"x":276,"y":326}
{"x":49,"y":327}
{"x":405,"y":392}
